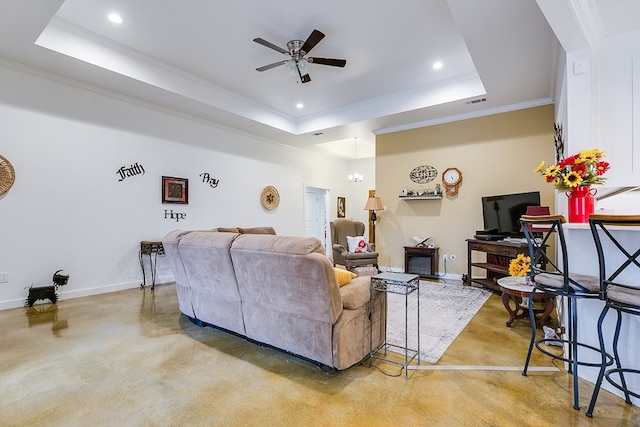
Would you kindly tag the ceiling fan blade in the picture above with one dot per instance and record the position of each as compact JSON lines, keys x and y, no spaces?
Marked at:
{"x":270,"y":66}
{"x":328,"y":61}
{"x":263,"y":42}
{"x":303,"y":79}
{"x":313,"y":39}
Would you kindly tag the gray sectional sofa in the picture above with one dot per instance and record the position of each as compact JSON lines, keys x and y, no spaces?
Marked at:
{"x":277,"y":290}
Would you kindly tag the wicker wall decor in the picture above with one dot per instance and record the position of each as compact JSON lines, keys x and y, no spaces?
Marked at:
{"x":7,"y":175}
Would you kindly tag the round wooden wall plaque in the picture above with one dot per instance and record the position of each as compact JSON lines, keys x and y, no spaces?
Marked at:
{"x":7,"y":175}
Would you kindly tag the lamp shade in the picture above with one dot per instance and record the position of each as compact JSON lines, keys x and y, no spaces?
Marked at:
{"x":373,"y":204}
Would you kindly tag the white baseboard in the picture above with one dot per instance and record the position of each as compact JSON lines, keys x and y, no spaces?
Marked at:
{"x":448,"y":276}
{"x":78,"y":293}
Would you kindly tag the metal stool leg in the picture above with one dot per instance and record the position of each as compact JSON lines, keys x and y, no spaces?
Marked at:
{"x":532,"y":319}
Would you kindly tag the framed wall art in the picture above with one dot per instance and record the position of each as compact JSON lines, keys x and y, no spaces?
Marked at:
{"x":342,"y":207}
{"x":175,"y":190}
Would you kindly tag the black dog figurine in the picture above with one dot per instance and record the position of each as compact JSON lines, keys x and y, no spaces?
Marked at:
{"x":47,"y":292}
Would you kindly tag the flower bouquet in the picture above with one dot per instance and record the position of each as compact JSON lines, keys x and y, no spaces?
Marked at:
{"x":580,"y":170}
{"x":520,"y":265}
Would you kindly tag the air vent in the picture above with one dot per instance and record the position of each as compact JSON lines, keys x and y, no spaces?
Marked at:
{"x":317,"y":134}
{"x":477,"y":101}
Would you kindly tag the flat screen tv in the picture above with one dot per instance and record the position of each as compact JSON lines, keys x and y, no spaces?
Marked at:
{"x":501,"y":213}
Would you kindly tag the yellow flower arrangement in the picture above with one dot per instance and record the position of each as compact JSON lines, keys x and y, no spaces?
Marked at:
{"x":582,"y":169}
{"x":520,"y":265}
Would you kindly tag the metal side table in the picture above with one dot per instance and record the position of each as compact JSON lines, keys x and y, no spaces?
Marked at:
{"x":152,"y":249}
{"x":402,"y":284}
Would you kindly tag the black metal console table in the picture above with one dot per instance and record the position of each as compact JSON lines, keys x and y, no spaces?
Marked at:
{"x":151,"y":248}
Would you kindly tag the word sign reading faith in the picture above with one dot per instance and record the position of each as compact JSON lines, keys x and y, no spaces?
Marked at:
{"x":206,"y":178}
{"x":133,"y":170}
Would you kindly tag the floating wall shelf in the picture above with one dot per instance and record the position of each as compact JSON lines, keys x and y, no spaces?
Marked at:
{"x":423,"y":197}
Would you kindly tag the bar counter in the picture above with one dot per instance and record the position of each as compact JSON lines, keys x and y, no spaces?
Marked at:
{"x":583,"y":259}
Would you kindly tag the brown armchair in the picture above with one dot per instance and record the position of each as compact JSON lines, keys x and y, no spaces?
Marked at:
{"x":340,"y":229}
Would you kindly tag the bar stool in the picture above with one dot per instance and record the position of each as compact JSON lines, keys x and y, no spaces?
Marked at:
{"x":557,"y":281}
{"x":619,"y":262}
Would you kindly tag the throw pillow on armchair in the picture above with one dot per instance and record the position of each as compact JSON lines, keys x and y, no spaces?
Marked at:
{"x":357,"y":244}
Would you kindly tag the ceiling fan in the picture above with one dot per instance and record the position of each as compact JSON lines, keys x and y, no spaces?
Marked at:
{"x":297,"y":51}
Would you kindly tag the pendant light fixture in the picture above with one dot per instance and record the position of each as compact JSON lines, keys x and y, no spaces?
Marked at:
{"x":355,"y":176}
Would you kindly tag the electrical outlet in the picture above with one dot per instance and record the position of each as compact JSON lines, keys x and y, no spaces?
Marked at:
{"x":445,"y":258}
{"x":452,"y":257}
{"x":4,"y":277}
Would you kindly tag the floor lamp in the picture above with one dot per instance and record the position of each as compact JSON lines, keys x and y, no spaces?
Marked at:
{"x":373,"y":204}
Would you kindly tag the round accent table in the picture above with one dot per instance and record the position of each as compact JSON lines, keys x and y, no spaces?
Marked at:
{"x":515,"y":289}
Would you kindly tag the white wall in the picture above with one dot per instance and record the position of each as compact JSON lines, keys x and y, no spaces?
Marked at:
{"x":67,"y":209}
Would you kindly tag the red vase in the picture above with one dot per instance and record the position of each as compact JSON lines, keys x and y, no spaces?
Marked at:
{"x":581,"y":203}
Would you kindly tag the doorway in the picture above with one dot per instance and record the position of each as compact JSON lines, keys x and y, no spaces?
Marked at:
{"x":316,"y":215}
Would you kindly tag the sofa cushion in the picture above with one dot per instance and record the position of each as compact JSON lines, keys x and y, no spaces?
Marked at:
{"x":257,"y":230}
{"x":343,"y":276}
{"x":280,"y":245}
{"x":356,"y":293}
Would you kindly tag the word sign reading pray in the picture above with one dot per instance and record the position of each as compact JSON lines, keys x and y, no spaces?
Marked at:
{"x":133,"y":170}
{"x":206,"y":178}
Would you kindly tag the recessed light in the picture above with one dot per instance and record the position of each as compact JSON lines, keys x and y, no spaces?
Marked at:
{"x":115,"y":18}
{"x":299,"y":105}
{"x":437,"y":65}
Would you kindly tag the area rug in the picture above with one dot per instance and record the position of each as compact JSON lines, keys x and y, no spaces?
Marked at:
{"x":445,"y":310}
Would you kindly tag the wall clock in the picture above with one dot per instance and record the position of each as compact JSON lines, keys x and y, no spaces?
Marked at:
{"x":7,"y":175}
{"x":451,"y":179}
{"x":270,"y":198}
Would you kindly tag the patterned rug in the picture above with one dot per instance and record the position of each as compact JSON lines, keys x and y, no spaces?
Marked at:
{"x":445,"y":310}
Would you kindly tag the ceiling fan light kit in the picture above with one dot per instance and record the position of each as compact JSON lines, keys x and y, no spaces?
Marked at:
{"x":297,"y":49}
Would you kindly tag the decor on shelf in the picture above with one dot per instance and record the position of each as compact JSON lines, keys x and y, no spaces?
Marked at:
{"x":270,"y":198}
{"x":575,"y":175}
{"x":342,"y":207}
{"x":520,"y":265}
{"x":373,"y":204}
{"x":423,"y":174}
{"x":175,"y":190}
{"x":355,"y":176}
{"x":7,"y":175}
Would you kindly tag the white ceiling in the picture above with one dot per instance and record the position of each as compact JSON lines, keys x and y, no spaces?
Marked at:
{"x":198,"y":57}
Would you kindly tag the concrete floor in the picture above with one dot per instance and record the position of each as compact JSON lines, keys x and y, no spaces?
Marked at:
{"x":130,"y":359}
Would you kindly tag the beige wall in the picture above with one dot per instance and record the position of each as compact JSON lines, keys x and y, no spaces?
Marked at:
{"x":496,"y":155}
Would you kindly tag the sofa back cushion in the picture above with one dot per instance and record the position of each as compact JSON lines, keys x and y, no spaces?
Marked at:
{"x":170,"y":244}
{"x":210,"y":273}
{"x":290,"y":296}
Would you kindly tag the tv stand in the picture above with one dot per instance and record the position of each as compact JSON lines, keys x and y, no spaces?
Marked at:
{"x":498,"y":255}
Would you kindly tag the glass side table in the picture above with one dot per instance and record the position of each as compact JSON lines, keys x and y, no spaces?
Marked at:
{"x":151,"y":248}
{"x":402,"y":284}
